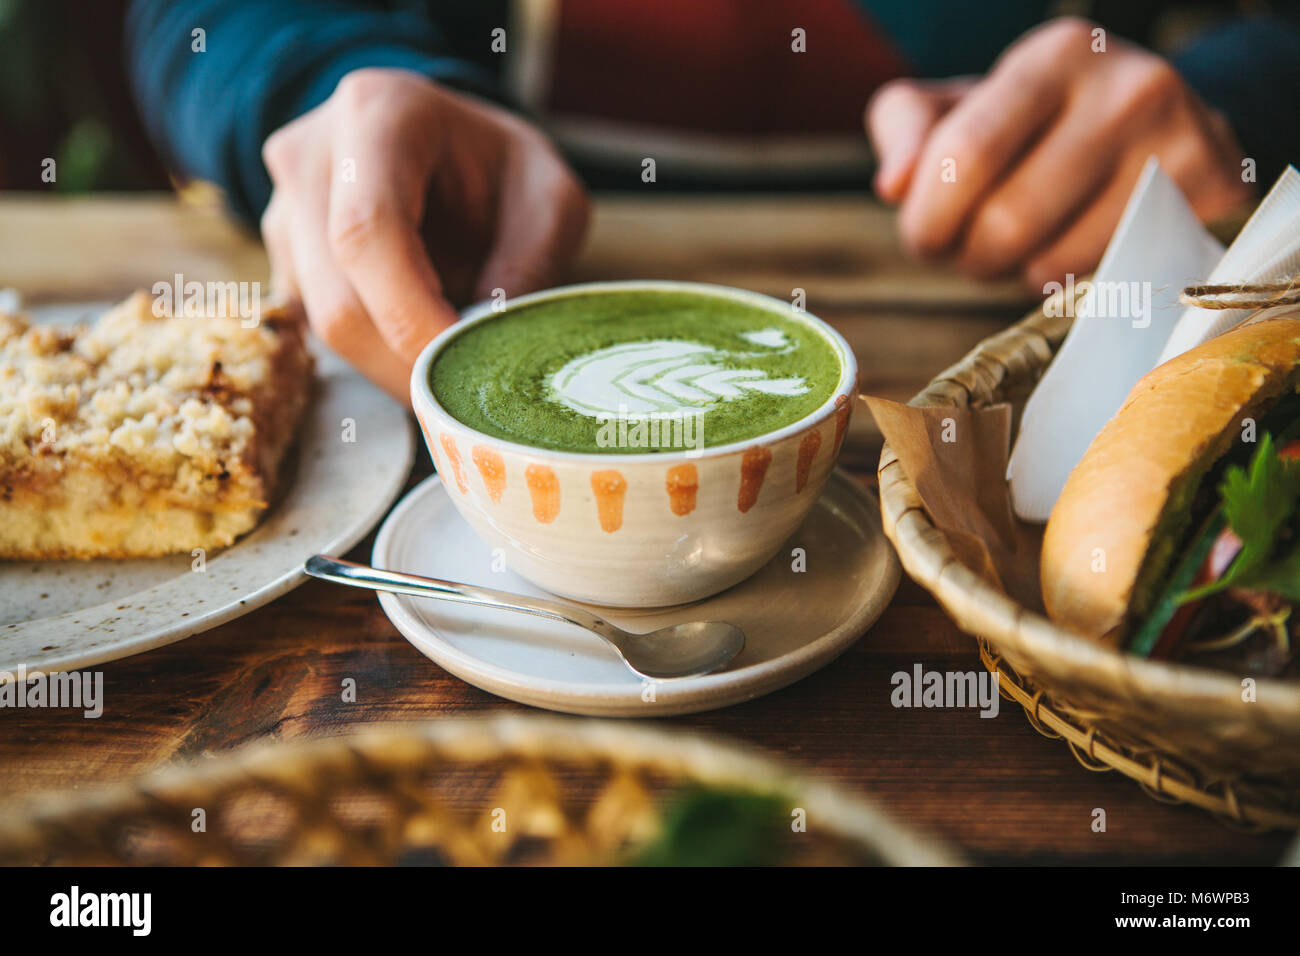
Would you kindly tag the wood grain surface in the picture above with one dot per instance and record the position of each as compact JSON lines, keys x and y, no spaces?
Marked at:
{"x":994,"y":788}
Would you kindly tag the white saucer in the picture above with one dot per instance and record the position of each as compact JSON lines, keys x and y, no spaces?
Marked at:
{"x":794,"y":621}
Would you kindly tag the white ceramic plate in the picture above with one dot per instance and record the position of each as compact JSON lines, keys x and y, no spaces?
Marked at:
{"x":63,"y":615}
{"x":794,"y":621}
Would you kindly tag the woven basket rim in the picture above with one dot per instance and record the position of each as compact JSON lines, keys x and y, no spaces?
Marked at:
{"x":1162,"y":779}
{"x":686,"y":755}
{"x":955,"y":587}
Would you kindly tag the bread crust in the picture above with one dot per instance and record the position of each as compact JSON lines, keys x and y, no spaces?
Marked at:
{"x":1125,"y":508}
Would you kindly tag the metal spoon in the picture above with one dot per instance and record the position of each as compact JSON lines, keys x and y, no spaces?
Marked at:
{"x":679,"y":650}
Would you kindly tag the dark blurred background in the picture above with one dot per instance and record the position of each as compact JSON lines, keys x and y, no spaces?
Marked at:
{"x":64,"y":95}
{"x":64,"y":92}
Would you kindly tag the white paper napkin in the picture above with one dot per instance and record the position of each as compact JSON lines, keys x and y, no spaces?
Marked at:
{"x":1120,"y":329}
{"x":1266,"y":249}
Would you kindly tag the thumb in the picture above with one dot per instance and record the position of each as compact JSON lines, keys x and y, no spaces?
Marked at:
{"x":542,"y":220}
{"x":899,"y":119}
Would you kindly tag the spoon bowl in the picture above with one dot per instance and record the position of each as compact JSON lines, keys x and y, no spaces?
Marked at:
{"x":683,"y":650}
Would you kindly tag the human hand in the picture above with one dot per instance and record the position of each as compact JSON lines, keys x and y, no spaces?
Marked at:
{"x":1043,"y":153}
{"x":353,"y":181}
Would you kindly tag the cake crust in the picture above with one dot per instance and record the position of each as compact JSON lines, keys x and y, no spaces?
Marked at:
{"x":143,"y":434}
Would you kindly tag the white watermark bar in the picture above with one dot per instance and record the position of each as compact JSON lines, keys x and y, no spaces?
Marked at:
{"x":72,"y":690}
{"x":1086,"y":299}
{"x":196,"y":300}
{"x":647,"y":431}
{"x":78,"y":908}
{"x":946,"y":689}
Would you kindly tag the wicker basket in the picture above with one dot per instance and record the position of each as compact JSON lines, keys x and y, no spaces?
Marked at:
{"x":1183,"y":732}
{"x":477,"y":791}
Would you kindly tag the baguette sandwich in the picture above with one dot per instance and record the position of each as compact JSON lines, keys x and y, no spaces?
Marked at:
{"x":1177,"y":536}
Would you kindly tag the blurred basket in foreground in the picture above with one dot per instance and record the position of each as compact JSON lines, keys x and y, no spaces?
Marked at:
{"x":476,"y":791}
{"x":1183,"y":732}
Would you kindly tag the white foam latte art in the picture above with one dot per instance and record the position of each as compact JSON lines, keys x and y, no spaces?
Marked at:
{"x":663,"y":377}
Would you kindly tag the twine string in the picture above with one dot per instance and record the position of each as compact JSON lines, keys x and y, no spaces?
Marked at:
{"x":1244,"y":295}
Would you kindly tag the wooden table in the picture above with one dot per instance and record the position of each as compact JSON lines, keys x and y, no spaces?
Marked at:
{"x":994,"y":788}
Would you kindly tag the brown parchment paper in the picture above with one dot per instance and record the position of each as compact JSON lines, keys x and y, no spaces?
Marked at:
{"x":957,"y":458}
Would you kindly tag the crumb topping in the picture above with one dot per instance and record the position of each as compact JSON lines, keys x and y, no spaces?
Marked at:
{"x":171,"y":393}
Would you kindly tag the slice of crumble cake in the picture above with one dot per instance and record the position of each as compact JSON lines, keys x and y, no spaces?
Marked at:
{"x":141,"y":435}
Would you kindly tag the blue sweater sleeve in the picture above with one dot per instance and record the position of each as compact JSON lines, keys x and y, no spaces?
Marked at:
{"x":262,"y":63}
{"x":1249,"y":69}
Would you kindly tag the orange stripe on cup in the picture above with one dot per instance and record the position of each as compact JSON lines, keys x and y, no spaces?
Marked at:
{"x":842,"y":412}
{"x":492,"y":468}
{"x":683,"y":483}
{"x":544,"y":489}
{"x":453,"y":456}
{"x":610,"y":487}
{"x":432,"y":444}
{"x":428,"y":437}
{"x":807,"y":452}
{"x":753,"y":467}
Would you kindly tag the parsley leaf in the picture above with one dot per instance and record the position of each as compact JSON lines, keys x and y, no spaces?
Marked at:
{"x":704,"y":826}
{"x":1281,"y":577}
{"x":1258,"y":501}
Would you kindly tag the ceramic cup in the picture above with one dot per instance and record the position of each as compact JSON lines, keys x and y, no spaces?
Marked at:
{"x":638,"y":529}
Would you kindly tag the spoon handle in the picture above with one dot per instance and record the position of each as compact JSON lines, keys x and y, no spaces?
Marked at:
{"x":361,"y":576}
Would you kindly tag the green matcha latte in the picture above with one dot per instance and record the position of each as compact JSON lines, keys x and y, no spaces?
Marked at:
{"x":603,"y":371}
